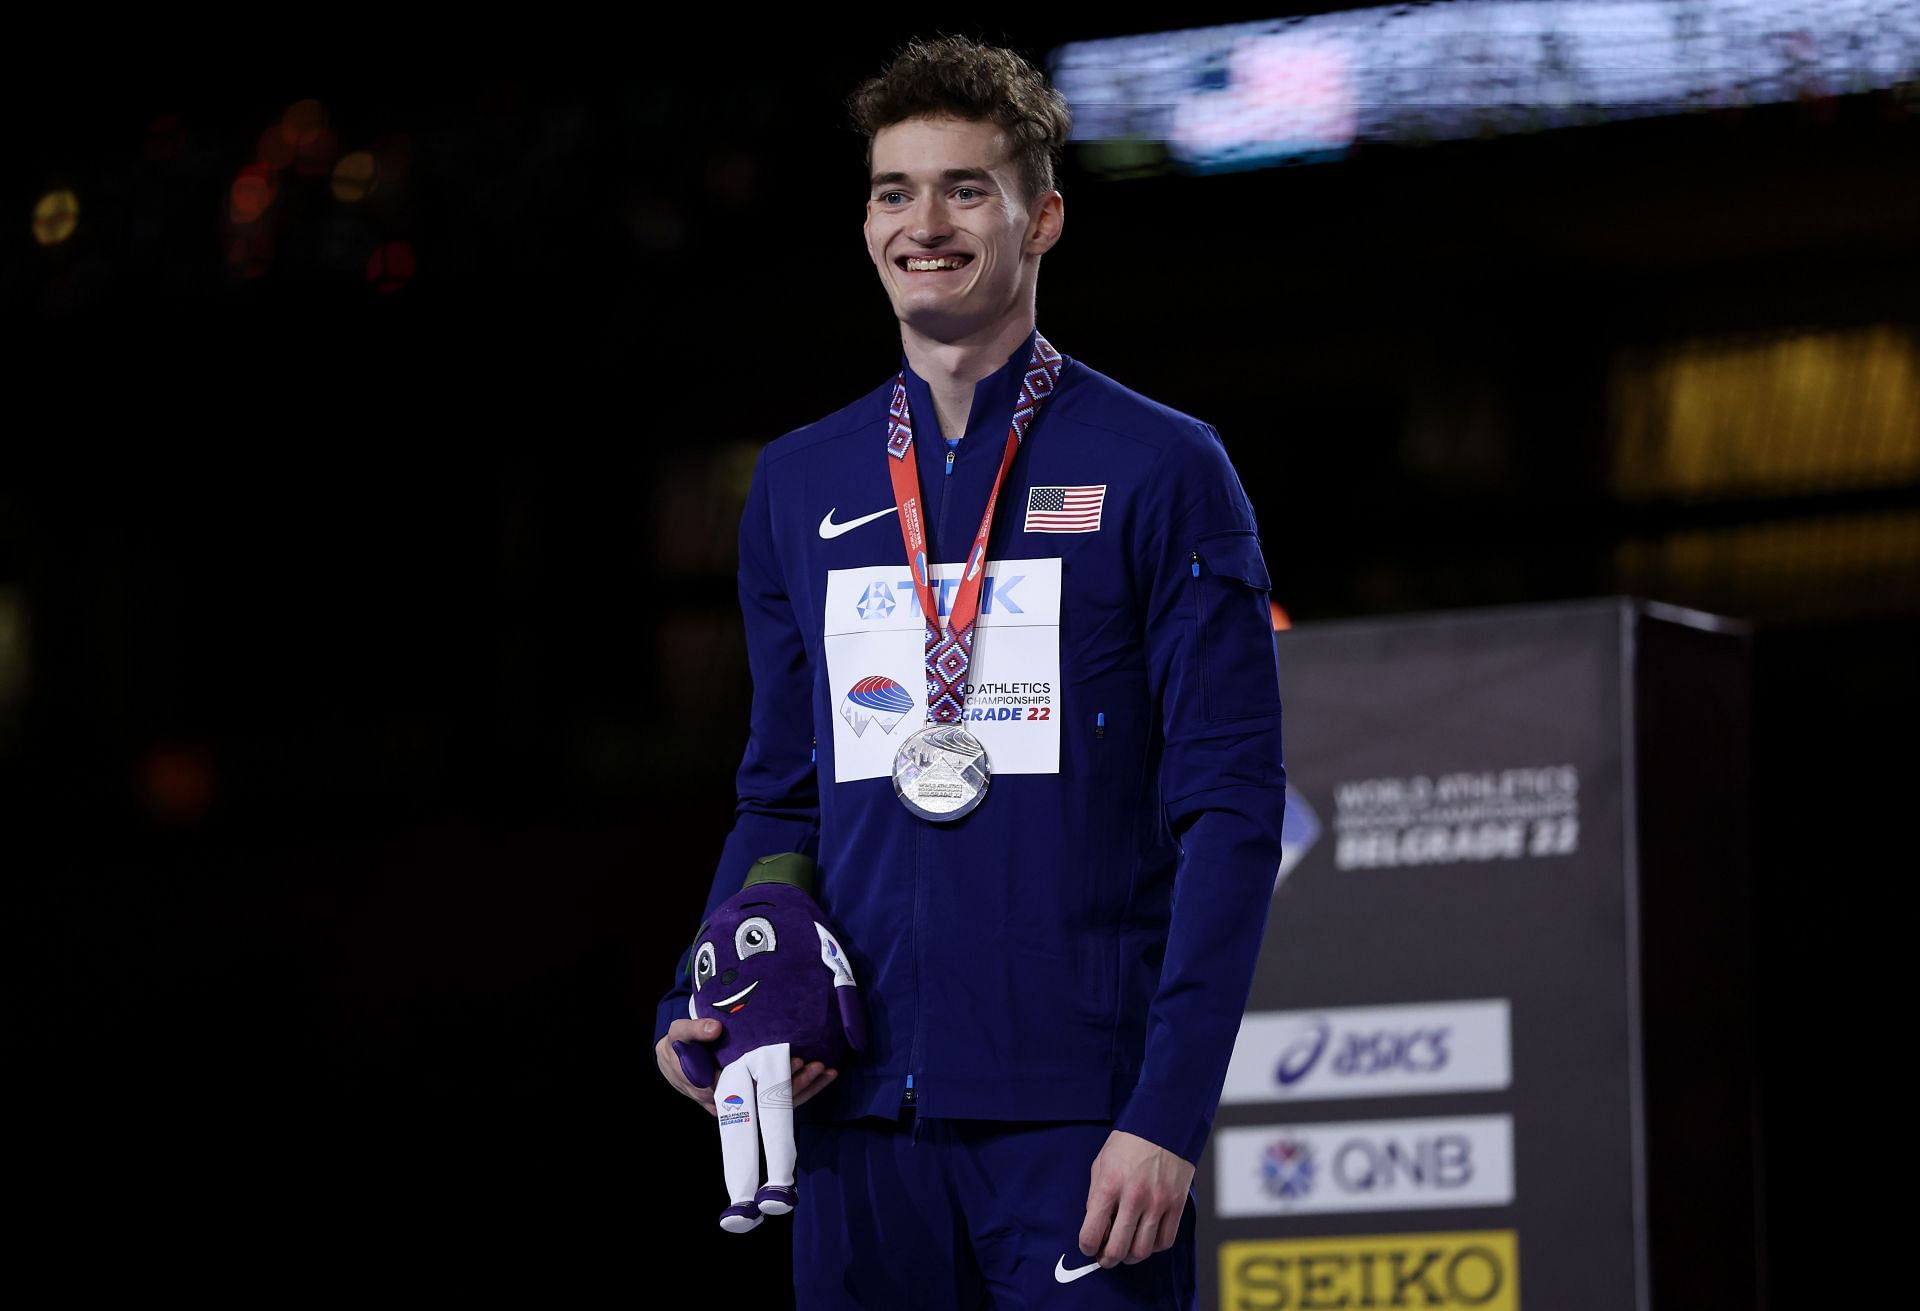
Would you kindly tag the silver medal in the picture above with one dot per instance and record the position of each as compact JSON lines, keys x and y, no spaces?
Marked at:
{"x":941,"y":772}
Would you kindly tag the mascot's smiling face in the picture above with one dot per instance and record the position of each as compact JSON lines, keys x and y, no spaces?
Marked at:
{"x":763,"y":934}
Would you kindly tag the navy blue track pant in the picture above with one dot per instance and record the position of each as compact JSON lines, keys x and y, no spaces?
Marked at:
{"x":963,"y":1215}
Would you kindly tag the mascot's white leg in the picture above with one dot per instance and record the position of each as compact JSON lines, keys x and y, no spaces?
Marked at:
{"x":772,"y":1068}
{"x":733,"y":1099}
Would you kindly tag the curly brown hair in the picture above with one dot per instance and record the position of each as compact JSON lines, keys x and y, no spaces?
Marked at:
{"x":955,"y":77}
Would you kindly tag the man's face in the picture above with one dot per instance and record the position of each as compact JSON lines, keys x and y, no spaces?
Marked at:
{"x":957,"y":247}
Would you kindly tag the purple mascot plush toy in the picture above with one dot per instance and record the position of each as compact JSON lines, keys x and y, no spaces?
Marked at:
{"x":766,"y":966}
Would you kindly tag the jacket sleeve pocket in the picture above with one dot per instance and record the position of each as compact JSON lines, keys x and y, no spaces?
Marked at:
{"x":1240,"y":677}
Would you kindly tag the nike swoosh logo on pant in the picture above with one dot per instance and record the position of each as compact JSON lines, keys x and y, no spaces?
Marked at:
{"x":1065,"y":1276}
{"x":830,"y":530}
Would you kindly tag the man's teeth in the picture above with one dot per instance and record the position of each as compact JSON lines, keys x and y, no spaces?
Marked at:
{"x":931,"y":265}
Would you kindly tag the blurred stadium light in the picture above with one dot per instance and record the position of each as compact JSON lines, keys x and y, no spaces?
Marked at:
{"x":1310,"y":88}
{"x":1808,"y":411}
{"x":354,"y":176}
{"x":55,"y":216}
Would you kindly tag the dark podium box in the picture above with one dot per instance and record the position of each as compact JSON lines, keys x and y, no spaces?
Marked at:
{"x":1499,"y":1050}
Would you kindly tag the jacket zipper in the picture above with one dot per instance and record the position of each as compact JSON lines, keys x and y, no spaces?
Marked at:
{"x":910,"y":1096}
{"x":940,"y":527}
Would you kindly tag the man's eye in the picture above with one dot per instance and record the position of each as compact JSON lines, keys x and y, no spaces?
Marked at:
{"x":966,"y":193}
{"x":892,"y":197}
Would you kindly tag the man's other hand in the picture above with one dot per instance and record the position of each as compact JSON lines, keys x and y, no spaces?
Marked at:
{"x":1136,"y":1201}
{"x":809,"y":1077}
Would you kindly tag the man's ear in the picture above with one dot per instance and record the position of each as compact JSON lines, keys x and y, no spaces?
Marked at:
{"x":1043,"y":228}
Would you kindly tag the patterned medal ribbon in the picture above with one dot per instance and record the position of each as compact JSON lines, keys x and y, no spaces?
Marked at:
{"x":950,"y":648}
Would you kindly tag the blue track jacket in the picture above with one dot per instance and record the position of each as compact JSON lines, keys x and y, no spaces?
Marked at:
{"x":1081,"y":945}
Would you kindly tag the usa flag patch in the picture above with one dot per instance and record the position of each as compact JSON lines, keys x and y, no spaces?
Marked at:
{"x":1065,"y":509}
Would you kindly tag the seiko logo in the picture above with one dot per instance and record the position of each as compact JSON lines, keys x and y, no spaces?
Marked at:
{"x":1432,"y":1272}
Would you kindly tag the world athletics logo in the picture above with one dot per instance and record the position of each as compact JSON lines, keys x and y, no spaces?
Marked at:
{"x":875,"y":697}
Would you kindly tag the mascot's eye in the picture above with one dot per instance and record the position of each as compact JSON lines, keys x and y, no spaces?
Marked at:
{"x":753,"y":937}
{"x":703,"y":966}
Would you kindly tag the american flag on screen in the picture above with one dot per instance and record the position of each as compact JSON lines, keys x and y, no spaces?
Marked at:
{"x":1065,"y":509}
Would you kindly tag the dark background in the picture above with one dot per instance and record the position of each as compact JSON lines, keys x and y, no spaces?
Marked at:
{"x":377,"y":678}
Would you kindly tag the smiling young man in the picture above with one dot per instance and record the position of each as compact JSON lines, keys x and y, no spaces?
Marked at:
{"x":1014,"y":685}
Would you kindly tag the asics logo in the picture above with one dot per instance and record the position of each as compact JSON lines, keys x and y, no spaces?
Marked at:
{"x":830,"y":530}
{"x":1062,"y":1275}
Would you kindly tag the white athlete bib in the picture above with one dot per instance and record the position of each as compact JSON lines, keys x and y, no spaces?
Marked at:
{"x":876,"y":665}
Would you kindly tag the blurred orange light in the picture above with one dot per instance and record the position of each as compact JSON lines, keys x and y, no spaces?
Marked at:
{"x":252,"y":193}
{"x":176,"y":782}
{"x":391,"y":266}
{"x":55,"y":216}
{"x":353,"y":177}
{"x":1281,"y":621}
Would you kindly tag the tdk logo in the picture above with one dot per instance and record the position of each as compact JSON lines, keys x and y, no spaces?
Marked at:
{"x":880,"y":599}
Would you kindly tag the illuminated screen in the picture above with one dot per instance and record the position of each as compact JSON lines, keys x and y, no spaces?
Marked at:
{"x":1306,"y":89}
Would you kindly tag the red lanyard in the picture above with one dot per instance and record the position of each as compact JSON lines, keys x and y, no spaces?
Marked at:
{"x":1043,"y":372}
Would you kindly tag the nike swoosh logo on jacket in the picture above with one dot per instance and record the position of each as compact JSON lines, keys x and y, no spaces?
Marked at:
{"x":830,"y":530}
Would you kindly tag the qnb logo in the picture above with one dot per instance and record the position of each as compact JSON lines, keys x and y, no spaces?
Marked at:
{"x":1364,"y":1166}
{"x":997,"y":595}
{"x":1370,"y":1165}
{"x":1373,"y":1165}
{"x":1361,"y":1053}
{"x":1286,"y":1170}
